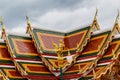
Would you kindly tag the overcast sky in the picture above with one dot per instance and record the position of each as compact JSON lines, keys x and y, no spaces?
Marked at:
{"x":57,"y":14}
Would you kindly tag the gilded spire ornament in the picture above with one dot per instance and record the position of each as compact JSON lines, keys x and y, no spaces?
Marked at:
{"x":116,"y":28}
{"x":3,"y":28}
{"x":28,"y":24}
{"x":59,"y":49}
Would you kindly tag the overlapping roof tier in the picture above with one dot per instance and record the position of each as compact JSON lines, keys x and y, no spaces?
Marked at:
{"x":80,"y":54}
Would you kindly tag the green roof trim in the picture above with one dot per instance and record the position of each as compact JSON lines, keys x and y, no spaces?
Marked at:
{"x":29,"y":73}
{"x":56,"y":33}
{"x":13,"y":47}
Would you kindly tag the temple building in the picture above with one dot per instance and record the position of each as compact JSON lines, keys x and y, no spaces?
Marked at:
{"x":85,"y":53}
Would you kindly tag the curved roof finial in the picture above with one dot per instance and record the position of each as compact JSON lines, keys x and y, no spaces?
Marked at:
{"x":95,"y":24}
{"x":3,"y":28}
{"x":96,"y":14}
{"x":28,"y":24}
{"x":27,"y":19}
{"x":117,"y":18}
{"x":116,"y":25}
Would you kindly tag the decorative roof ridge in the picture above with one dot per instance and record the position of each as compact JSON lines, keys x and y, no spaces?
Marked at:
{"x":2,"y":41}
{"x":18,"y":34}
{"x":48,"y":29}
{"x":63,"y":31}
{"x":101,"y":31}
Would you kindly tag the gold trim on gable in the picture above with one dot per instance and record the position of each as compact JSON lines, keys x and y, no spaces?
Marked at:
{"x":116,"y":47}
{"x":16,"y":47}
{"x":28,"y":70}
{"x":9,"y":75}
{"x":104,"y":36}
{"x":1,"y":57}
{"x":58,"y":36}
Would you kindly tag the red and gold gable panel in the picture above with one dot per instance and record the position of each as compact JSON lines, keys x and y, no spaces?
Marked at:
{"x":71,"y":41}
{"x":4,"y":55}
{"x":77,"y":68}
{"x":11,"y":73}
{"x":24,"y":47}
{"x":95,"y":44}
{"x":35,"y":68}
{"x":75,"y":71}
{"x":112,"y":49}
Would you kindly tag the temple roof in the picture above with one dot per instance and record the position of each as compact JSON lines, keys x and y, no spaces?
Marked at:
{"x":29,"y":61}
{"x":73,"y":41}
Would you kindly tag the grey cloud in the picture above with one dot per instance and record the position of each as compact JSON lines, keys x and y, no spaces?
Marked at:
{"x":13,"y":12}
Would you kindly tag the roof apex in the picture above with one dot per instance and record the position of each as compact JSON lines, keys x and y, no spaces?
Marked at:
{"x":62,"y":31}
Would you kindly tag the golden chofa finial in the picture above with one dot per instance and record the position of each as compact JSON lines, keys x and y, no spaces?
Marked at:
{"x":95,"y":24}
{"x":27,"y":19}
{"x":28,"y":24}
{"x":116,"y":28}
{"x":117,"y":18}
{"x":3,"y":28}
{"x":96,"y":13}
